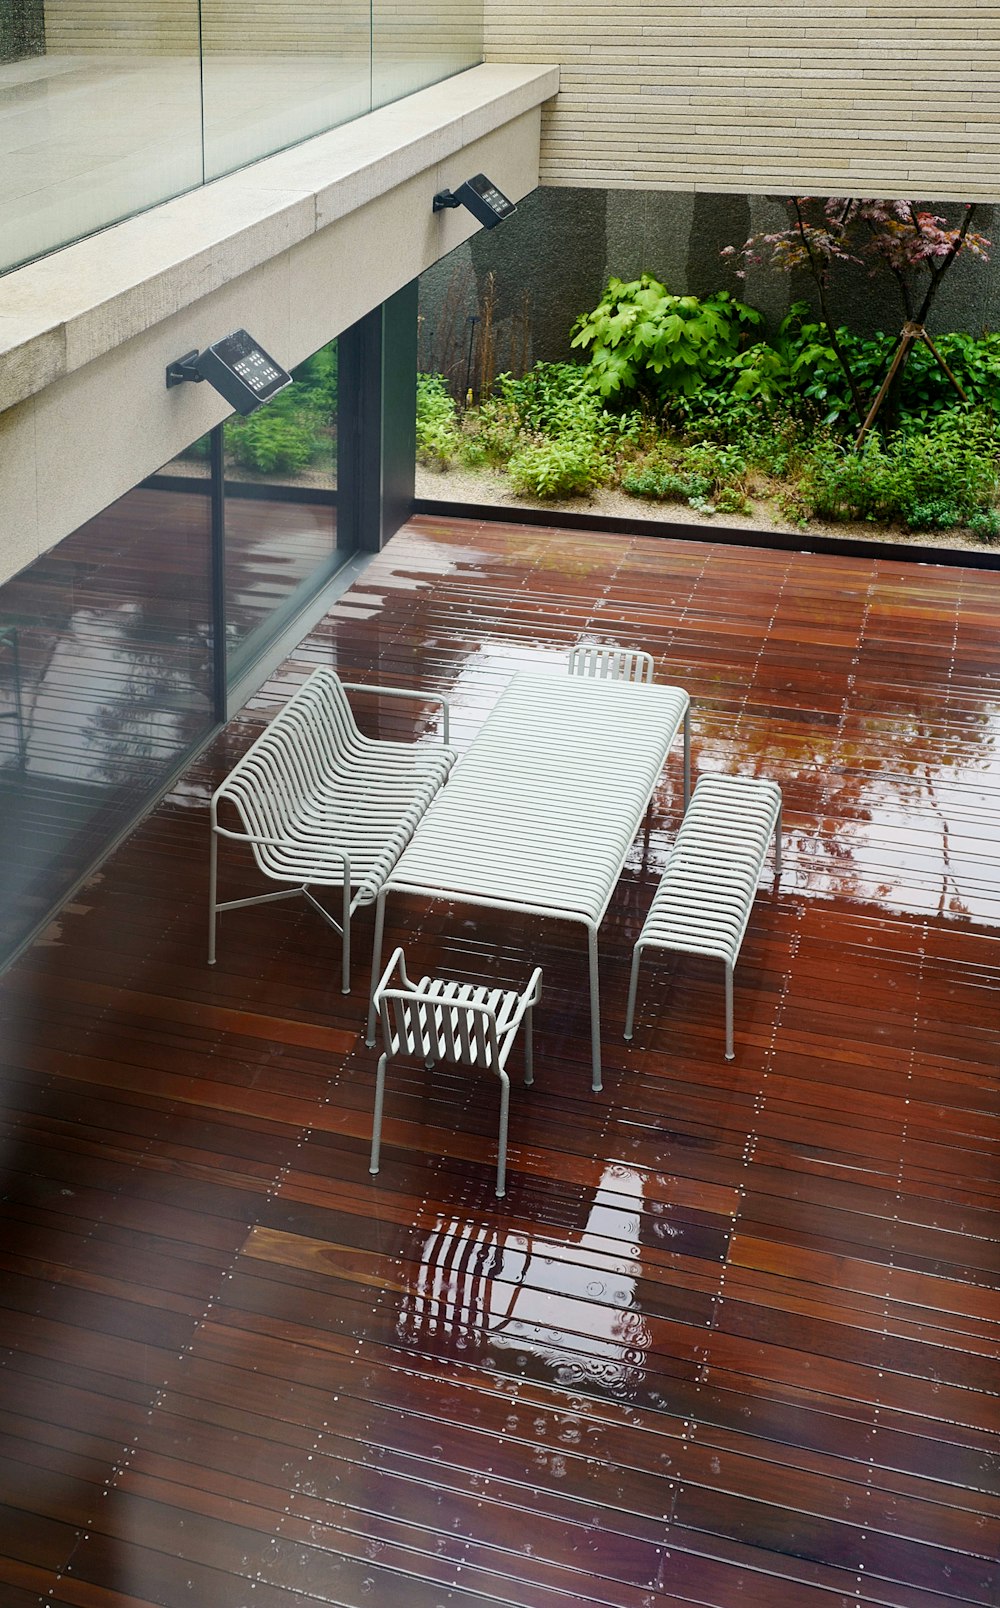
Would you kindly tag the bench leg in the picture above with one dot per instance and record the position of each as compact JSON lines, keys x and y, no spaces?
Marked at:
{"x":213,"y":870}
{"x":345,"y":959}
{"x":376,"y":966}
{"x":687,"y":756}
{"x":595,"y":1012}
{"x":729,"y":1011}
{"x":377,"y":1117}
{"x":633,"y":985}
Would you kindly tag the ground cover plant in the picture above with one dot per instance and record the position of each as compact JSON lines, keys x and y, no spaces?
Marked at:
{"x":687,"y":400}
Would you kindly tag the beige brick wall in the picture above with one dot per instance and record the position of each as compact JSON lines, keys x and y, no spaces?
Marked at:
{"x":894,"y":98}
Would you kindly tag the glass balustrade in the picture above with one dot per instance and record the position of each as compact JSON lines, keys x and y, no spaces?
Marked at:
{"x":107,"y":110}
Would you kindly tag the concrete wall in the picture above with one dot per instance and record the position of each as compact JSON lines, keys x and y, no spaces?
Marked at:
{"x":323,"y":234}
{"x":562,"y":245}
{"x":898,"y":97}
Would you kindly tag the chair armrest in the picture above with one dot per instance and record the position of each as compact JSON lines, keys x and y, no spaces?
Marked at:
{"x":532,"y":994}
{"x":405,"y":692}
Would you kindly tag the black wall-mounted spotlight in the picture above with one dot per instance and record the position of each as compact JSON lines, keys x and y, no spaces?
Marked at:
{"x":238,"y":367}
{"x":486,"y":203}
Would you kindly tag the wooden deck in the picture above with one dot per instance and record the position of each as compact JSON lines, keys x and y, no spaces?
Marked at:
{"x":730,"y":1340}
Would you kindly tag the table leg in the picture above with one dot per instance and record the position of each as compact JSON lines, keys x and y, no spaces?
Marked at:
{"x":376,"y":965}
{"x":595,"y":1011}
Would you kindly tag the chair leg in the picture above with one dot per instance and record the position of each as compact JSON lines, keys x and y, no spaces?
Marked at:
{"x":377,"y":1118}
{"x":633,"y":985}
{"x":529,"y":1069}
{"x":777,"y":844}
{"x":729,"y":1012}
{"x":345,"y":954}
{"x":502,"y":1141}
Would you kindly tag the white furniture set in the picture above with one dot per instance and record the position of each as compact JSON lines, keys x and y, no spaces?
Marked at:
{"x":538,"y":818}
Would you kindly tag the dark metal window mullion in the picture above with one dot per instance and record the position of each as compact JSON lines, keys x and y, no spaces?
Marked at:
{"x":219,"y":619}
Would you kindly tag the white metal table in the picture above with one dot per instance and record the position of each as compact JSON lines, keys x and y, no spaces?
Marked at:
{"x":540,"y":814}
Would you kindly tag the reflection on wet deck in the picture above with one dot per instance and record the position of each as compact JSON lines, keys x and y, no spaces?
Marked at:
{"x":732,"y":1336}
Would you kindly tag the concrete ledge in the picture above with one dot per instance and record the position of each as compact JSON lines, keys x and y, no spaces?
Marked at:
{"x":66,"y":310}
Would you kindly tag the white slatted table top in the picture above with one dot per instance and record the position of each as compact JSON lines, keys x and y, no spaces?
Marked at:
{"x":540,"y":813}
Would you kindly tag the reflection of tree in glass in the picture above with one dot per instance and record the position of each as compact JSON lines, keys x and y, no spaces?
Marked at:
{"x":296,"y":427}
{"x":885,"y":769}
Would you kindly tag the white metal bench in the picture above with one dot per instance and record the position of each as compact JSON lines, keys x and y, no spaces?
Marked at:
{"x":464,"y":1024}
{"x":703,"y":902}
{"x":322,"y":805}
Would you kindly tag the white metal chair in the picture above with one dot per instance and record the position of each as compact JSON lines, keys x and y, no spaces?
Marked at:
{"x":462,"y":1023}
{"x":606,"y":663}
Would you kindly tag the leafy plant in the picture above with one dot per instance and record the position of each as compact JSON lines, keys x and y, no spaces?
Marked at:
{"x":558,"y":466}
{"x":438,"y":436}
{"x":665,"y":485}
{"x":644,"y":340}
{"x":985,"y":524}
{"x":931,"y":481}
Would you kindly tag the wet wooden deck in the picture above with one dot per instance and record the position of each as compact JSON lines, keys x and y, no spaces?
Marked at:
{"x":732,"y":1336}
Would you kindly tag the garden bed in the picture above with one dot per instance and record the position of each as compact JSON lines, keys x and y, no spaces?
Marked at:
{"x":489,"y":488}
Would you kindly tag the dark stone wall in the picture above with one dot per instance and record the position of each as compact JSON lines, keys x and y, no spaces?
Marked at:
{"x":552,"y":259}
{"x":22,"y":29}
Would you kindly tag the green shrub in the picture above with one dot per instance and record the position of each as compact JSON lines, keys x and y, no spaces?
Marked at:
{"x":985,"y":524}
{"x":551,"y":398}
{"x":665,"y":485}
{"x":931,"y":480}
{"x":641,"y":339}
{"x":558,"y":466}
{"x":438,"y":435}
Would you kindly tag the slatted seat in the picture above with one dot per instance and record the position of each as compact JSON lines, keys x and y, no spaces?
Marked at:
{"x":464,"y":1024}
{"x":702,"y":904}
{"x":322,"y":805}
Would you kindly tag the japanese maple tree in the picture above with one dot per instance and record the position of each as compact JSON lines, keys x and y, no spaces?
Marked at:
{"x":903,"y":238}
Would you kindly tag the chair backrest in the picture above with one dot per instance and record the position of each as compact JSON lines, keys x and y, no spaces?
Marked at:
{"x":415,"y":1022}
{"x":607,"y":663}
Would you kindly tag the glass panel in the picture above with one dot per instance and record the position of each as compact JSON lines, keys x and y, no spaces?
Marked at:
{"x":278,"y":71}
{"x":416,"y":44}
{"x":105,"y":685}
{"x":281,"y":515}
{"x":101,"y":115}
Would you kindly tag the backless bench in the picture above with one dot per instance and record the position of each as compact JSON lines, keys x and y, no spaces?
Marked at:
{"x":322,"y":805}
{"x":703,"y":902}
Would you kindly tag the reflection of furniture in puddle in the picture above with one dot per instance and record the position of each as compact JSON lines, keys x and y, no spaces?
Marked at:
{"x":461,"y":1023}
{"x":10,"y":655}
{"x":324,"y":806}
{"x":702,"y":905}
{"x":568,"y":1299}
{"x":541,"y":813}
